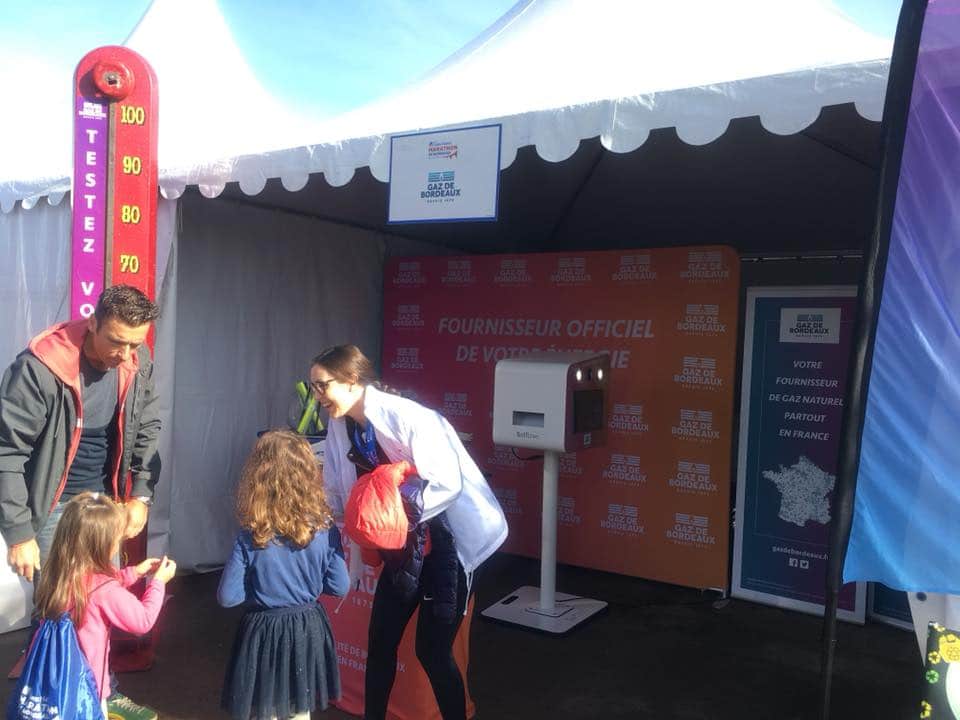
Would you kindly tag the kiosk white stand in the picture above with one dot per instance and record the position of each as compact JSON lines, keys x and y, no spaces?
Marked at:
{"x":553,"y":402}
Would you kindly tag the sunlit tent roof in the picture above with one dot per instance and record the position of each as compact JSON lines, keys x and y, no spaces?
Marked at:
{"x":553,"y":72}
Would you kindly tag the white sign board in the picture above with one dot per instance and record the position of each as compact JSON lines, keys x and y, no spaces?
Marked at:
{"x":446,"y":176}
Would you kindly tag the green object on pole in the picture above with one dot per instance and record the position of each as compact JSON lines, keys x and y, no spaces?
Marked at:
{"x":309,"y":414}
{"x":302,"y":391}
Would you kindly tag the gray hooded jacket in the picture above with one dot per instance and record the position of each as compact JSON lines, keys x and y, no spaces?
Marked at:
{"x":41,"y":417}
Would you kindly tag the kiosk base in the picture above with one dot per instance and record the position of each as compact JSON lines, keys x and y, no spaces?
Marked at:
{"x":522,"y":607}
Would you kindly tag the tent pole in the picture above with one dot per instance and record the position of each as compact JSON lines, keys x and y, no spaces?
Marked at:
{"x":837,"y":148}
{"x":313,"y":216}
{"x":895,"y":113}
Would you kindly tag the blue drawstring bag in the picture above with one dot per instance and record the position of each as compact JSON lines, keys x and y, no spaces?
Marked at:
{"x":56,"y":681}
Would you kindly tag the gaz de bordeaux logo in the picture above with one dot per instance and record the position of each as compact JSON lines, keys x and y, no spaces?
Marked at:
{"x":624,"y":470}
{"x":503,"y":457}
{"x":507,"y":497}
{"x":409,"y":274}
{"x":455,"y":405}
{"x":622,"y":520}
{"x":407,"y":358}
{"x":442,"y":150}
{"x":569,"y":466}
{"x":810,"y":325}
{"x":458,"y":272}
{"x":692,"y":478}
{"x":570,"y":271}
{"x":705,"y":267}
{"x":441,"y":187}
{"x":701,"y":319}
{"x":634,"y":269}
{"x":513,"y":271}
{"x":698,"y":373}
{"x":696,"y":425}
{"x":691,"y":531}
{"x":408,"y":317}
{"x":627,"y":419}
{"x":567,"y":512}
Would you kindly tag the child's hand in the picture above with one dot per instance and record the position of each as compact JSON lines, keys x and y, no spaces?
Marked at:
{"x":147,"y":566}
{"x":166,"y":569}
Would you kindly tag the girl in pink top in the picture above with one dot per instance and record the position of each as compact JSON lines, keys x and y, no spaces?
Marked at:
{"x":79,"y":578}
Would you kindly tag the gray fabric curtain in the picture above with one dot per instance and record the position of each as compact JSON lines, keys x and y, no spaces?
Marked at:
{"x":259,"y":292}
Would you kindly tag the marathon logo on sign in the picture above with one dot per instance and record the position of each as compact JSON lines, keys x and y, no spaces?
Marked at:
{"x":407,"y":358}
{"x":569,"y":466}
{"x":692,"y":479}
{"x":702,"y":320}
{"x":513,"y":271}
{"x":93,"y":111}
{"x":570,"y":271}
{"x":459,"y":272}
{"x":455,"y":405}
{"x":408,"y":317}
{"x":699,"y":373}
{"x":691,"y":531}
{"x":705,"y":266}
{"x":567,"y":512}
{"x":504,"y":457}
{"x":634,"y":268}
{"x":813,"y":325}
{"x":409,"y":274}
{"x":624,"y":470}
{"x":622,"y":520}
{"x":695,"y":425}
{"x":442,"y":150}
{"x":627,"y":419}
{"x":507,"y":497}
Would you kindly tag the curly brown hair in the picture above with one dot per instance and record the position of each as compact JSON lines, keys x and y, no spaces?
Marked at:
{"x":281,"y":491}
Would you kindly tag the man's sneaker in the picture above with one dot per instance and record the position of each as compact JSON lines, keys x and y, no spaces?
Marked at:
{"x":120,"y":707}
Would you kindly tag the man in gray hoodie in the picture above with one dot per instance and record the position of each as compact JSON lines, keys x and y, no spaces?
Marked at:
{"x":78,"y":411}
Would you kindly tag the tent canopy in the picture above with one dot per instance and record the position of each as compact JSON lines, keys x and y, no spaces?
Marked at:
{"x":553,"y":72}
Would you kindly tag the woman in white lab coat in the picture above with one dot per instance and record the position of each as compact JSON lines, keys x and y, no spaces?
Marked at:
{"x":449,"y":499}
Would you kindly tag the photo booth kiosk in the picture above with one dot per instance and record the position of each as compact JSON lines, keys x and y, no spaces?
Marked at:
{"x":555,"y":402}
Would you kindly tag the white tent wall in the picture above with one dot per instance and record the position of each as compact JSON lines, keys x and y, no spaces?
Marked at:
{"x":259,"y":293}
{"x":35,"y":293}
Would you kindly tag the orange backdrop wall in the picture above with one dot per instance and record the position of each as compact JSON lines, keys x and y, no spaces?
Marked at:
{"x":653,"y":503}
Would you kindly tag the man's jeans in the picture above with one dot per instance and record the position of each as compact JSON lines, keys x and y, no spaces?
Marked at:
{"x":46,"y":533}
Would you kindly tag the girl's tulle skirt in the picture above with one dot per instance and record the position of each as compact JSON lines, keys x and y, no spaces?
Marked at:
{"x":284,"y":662}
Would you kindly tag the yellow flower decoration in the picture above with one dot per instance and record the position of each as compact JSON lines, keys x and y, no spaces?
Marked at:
{"x":925,"y":710}
{"x":933,"y":657}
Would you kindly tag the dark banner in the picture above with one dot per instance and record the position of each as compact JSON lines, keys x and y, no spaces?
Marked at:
{"x":796,"y":356}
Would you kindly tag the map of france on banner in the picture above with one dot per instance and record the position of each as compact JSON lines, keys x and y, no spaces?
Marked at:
{"x":655,"y":501}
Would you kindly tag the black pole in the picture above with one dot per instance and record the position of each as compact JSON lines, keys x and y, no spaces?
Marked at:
{"x":896,"y":110}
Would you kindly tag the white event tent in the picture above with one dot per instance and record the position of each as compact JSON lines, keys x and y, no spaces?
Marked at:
{"x":626,"y":123}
